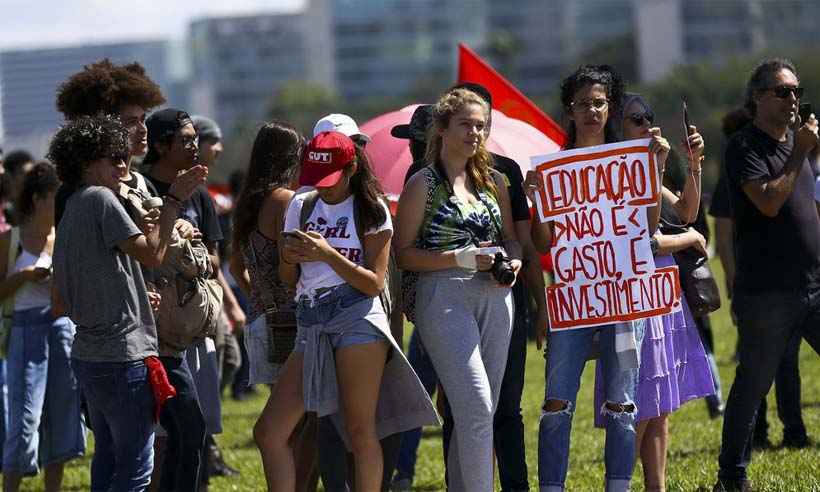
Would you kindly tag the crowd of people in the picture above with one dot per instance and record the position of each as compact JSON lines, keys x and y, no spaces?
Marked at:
{"x":130,"y":300}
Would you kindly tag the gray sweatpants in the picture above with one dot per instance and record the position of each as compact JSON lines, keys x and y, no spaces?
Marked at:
{"x":465,"y":322}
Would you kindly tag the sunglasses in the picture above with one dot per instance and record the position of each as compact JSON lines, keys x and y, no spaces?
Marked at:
{"x":637,"y":119}
{"x":783,"y":92}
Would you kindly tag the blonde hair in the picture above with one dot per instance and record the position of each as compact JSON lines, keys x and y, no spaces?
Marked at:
{"x":479,"y":165}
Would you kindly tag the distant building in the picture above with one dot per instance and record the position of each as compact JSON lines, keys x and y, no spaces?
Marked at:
{"x":673,"y":32}
{"x":29,"y":79}
{"x":386,"y":48}
{"x":536,"y":43}
{"x":238,"y":63}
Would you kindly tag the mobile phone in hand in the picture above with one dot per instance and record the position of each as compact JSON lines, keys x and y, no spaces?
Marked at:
{"x":686,"y":125}
{"x":805,"y":110}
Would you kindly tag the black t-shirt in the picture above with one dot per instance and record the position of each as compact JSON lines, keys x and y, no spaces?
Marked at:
{"x":515,"y":187}
{"x":772,"y":253}
{"x":199,"y":210}
{"x":721,"y":206}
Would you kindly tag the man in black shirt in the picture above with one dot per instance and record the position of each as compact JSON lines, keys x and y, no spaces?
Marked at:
{"x":787,"y":379}
{"x":777,"y":249}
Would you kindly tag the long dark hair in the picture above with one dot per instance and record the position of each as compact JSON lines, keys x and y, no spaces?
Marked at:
{"x":588,"y":75}
{"x":274,"y":160}
{"x":367,"y":192}
{"x":38,"y":182}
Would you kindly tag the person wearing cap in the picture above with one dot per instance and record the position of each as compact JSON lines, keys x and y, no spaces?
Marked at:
{"x":210,"y":139}
{"x":99,"y":284}
{"x":508,"y":422}
{"x":333,"y":458}
{"x":340,"y":365}
{"x":463,"y":312}
{"x":173,"y":148}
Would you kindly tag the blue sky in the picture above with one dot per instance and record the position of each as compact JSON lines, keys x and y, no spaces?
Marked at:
{"x":34,"y":23}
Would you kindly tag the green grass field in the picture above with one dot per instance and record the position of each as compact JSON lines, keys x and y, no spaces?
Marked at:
{"x":695,"y":440}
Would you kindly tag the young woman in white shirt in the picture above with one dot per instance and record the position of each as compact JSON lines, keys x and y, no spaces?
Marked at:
{"x":343,"y":341}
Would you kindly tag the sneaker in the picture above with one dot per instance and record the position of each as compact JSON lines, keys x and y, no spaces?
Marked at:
{"x":796,"y":442}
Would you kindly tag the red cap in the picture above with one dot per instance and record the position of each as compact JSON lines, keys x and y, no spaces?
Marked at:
{"x":325,"y":158}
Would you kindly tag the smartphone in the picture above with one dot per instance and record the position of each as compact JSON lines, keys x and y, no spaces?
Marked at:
{"x":292,"y":234}
{"x":686,"y":125}
{"x":804,"y":110}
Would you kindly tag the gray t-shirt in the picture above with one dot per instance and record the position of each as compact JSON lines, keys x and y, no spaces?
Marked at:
{"x":102,"y":287}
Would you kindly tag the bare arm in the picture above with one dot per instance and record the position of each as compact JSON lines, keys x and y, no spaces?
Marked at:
{"x":149,"y":249}
{"x":769,"y":195}
{"x":240,"y":273}
{"x":672,"y":243}
{"x":408,"y":223}
{"x":724,"y":243}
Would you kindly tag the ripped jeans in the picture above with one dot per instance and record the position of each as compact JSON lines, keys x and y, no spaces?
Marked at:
{"x":566,"y":356}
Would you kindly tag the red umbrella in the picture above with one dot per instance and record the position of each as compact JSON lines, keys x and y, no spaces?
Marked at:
{"x":390,"y":156}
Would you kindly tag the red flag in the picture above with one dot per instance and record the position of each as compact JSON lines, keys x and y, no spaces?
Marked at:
{"x":506,"y":97}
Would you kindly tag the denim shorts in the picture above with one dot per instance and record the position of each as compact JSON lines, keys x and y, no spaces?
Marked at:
{"x":324,"y":309}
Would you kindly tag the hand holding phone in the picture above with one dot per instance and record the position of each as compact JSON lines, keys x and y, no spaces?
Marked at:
{"x":805,"y":111}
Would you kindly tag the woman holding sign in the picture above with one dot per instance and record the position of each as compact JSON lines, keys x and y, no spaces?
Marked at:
{"x":589,"y":96}
{"x":463,"y":244}
{"x":674,"y":368}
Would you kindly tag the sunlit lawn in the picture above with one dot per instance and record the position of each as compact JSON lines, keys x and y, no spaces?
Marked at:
{"x":695,"y":440}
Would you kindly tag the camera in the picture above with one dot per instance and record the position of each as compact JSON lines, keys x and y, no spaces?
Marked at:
{"x":502,"y":269}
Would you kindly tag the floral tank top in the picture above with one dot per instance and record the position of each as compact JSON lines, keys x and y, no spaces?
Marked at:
{"x":268,"y":295}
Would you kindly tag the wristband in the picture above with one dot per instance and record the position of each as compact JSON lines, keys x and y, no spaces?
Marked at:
{"x":465,"y":258}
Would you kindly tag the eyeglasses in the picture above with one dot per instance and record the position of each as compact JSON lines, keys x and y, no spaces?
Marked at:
{"x":188,"y":142}
{"x":783,"y":91}
{"x":637,"y":119}
{"x":587,"y":104}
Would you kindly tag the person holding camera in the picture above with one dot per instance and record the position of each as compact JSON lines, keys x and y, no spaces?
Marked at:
{"x":463,"y":247}
{"x":777,"y":244}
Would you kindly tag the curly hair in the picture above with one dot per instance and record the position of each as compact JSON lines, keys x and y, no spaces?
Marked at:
{"x":104,"y":88}
{"x":274,"y":161}
{"x":588,"y":75}
{"x":83,"y":141}
{"x":38,"y":182}
{"x":478,"y":166}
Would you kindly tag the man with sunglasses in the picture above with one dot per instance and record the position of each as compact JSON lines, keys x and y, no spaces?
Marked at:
{"x":777,"y":250}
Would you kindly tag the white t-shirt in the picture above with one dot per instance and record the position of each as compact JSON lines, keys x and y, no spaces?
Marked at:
{"x":337,"y":225}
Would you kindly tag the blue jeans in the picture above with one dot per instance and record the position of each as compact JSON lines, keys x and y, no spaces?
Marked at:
{"x":182,"y":419}
{"x":406,"y":466}
{"x":767,"y":323}
{"x":121,"y":407}
{"x":43,"y":394}
{"x":566,"y":356}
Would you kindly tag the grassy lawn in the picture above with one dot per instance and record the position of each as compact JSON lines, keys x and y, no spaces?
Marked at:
{"x":695,"y":440}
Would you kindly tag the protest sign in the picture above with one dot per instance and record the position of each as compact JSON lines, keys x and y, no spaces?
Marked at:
{"x":596,"y":199}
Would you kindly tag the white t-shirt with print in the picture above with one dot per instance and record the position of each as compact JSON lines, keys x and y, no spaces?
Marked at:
{"x":335,"y":222}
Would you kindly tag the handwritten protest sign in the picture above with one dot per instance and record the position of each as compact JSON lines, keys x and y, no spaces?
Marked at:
{"x":596,"y":199}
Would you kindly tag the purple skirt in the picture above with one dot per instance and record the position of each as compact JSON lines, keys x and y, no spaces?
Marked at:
{"x":674,"y":368}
